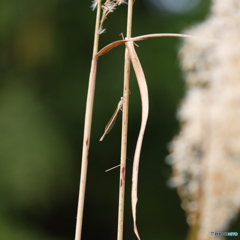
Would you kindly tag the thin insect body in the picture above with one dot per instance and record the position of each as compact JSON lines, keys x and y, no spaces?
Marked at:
{"x":113,"y":119}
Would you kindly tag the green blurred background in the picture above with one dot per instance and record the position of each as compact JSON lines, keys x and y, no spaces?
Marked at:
{"x":45,"y":56}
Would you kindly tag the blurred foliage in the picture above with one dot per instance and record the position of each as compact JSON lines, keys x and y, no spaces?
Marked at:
{"x":46,"y":49}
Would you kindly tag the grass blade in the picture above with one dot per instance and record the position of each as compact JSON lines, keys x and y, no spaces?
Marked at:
{"x":145,"y":108}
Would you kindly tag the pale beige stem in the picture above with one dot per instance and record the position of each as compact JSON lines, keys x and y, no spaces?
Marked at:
{"x":87,"y":128}
{"x":124,"y":127}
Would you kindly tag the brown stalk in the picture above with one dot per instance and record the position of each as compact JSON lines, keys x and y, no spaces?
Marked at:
{"x":87,"y":127}
{"x":124,"y":127}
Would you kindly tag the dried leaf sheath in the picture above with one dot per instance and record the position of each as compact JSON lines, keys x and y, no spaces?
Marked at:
{"x":145,"y":108}
{"x":113,"y":119}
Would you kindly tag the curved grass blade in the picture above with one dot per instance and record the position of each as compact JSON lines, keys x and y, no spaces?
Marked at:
{"x":145,"y":108}
{"x":147,"y":36}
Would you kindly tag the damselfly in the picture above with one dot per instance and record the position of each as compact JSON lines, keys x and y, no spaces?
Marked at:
{"x":112,"y":120}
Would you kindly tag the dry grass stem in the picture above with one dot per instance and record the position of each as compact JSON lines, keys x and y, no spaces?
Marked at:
{"x":124,"y":128}
{"x":87,"y":129}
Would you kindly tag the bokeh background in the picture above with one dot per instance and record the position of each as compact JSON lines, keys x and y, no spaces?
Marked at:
{"x":45,"y":56}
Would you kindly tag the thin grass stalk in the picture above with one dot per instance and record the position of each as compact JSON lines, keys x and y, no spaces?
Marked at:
{"x":87,"y":128}
{"x":124,"y":127}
